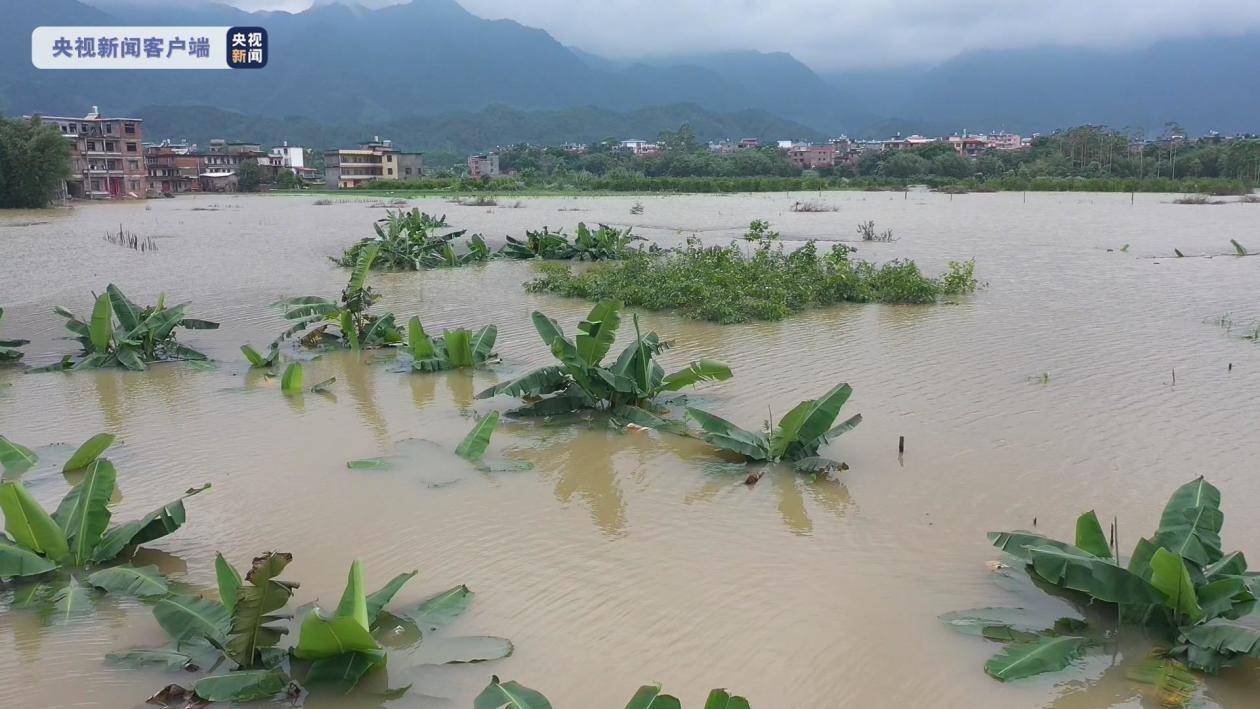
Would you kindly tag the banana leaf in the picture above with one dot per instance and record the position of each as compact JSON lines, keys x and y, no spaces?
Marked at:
{"x":724,"y":434}
{"x":15,"y":561}
{"x":1170,"y":577}
{"x":258,"y":361}
{"x":142,"y":582}
{"x":1046,"y":654}
{"x":540,"y":382}
{"x":344,"y":670}
{"x":16,"y":458}
{"x":1018,"y":543}
{"x":253,"y":627}
{"x":1090,"y":537}
{"x":820,"y":415}
{"x":458,"y":346}
{"x":1079,"y":571}
{"x":101,"y":331}
{"x":1229,"y":638}
{"x":377,"y":600}
{"x":155,"y":525}
{"x":228,"y":580}
{"x":191,"y":618}
{"x":346,"y":630}
{"x":418,"y":341}
{"x":1191,"y":523}
{"x":1170,"y":682}
{"x":483,"y":343}
{"x":72,"y":601}
{"x":84,"y":512}
{"x":291,"y":382}
{"x":29,"y":525}
{"x":474,"y":445}
{"x":476,"y":648}
{"x":165,"y":657}
{"x":509,"y":695}
{"x":704,"y":370}
{"x":91,"y":449}
{"x":598,"y":331}
{"x":358,"y":276}
{"x":442,"y":609}
{"x":241,"y":686}
{"x":650,"y":696}
{"x":128,"y":314}
{"x":721,"y":699}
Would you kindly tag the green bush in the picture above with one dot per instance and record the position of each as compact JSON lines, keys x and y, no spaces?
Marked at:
{"x":725,"y":284}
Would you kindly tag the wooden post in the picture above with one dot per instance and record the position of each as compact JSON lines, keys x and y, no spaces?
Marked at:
{"x":901,"y":445}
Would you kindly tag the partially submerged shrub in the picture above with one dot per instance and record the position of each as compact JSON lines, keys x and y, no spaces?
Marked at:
{"x":868,"y":233}
{"x":75,"y":546}
{"x":334,"y":649}
{"x":813,"y":206}
{"x":726,"y":285}
{"x":582,"y":381}
{"x":413,"y":241}
{"x":131,"y":240}
{"x":9,"y":351}
{"x":121,"y":334}
{"x":345,"y":323}
{"x":454,"y":349}
{"x":1179,"y":586}
{"x":514,"y":695}
{"x":603,"y":244}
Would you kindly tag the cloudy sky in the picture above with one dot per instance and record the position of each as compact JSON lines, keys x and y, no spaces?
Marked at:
{"x":839,"y":34}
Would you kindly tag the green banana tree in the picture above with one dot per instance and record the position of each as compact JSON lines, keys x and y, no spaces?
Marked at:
{"x":603,"y":244}
{"x":76,"y":543}
{"x":344,"y":323}
{"x":335,"y":649}
{"x":797,"y":436}
{"x":1178,"y":585}
{"x":513,"y":695}
{"x":9,"y":351}
{"x":121,"y":334}
{"x":409,"y":241}
{"x":582,"y":381}
{"x":454,"y":349}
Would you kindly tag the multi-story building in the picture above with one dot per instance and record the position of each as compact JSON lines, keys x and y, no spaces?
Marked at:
{"x":812,"y":157}
{"x":1004,"y":141}
{"x":968,"y":146}
{"x":480,"y":166}
{"x":914,"y":141}
{"x":106,"y":156}
{"x":347,"y":168}
{"x":173,"y":168}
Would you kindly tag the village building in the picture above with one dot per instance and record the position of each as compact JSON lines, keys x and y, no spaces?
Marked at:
{"x":486,"y":165}
{"x":106,"y":156}
{"x":968,"y":146}
{"x":812,"y":157}
{"x":347,"y":168}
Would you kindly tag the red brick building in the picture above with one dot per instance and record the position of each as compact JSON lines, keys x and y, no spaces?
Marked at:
{"x":106,"y":156}
{"x":812,"y":157}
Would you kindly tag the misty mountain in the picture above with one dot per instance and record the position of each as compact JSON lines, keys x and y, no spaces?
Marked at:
{"x":1205,"y":84}
{"x":467,"y":132}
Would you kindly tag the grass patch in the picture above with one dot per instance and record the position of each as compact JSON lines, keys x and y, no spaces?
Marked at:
{"x":1196,"y":199}
{"x":726,"y":284}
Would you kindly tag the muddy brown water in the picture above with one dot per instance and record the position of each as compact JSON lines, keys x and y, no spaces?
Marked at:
{"x":627,"y":558}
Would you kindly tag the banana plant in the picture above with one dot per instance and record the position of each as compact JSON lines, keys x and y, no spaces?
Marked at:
{"x":344,"y":323}
{"x":582,"y":381}
{"x":76,"y":542}
{"x":797,"y":436}
{"x":257,"y":360}
{"x":121,"y":334}
{"x":9,"y":351}
{"x":336,"y":648}
{"x":409,"y":241}
{"x":1178,"y":585}
{"x":603,"y":244}
{"x":513,"y":695}
{"x":454,"y":349}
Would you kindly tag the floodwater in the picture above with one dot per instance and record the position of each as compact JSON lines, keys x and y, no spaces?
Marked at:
{"x":624,"y":558}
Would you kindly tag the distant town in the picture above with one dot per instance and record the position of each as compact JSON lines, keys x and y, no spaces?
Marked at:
{"x":111,"y":158}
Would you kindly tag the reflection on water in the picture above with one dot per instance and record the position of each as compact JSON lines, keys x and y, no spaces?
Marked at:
{"x":796,"y":592}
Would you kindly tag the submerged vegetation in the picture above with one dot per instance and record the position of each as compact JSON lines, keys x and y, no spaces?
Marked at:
{"x":333,"y":650}
{"x":9,"y":351}
{"x":1197,"y":602}
{"x":725,"y":284}
{"x":413,"y":241}
{"x":582,"y":381}
{"x":603,"y":244}
{"x":513,"y":695}
{"x":454,"y":349}
{"x":75,"y":547}
{"x":796,"y":437}
{"x":352,"y":325}
{"x":121,"y":334}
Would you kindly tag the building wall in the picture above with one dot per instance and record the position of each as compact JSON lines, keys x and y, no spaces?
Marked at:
{"x":106,"y":155}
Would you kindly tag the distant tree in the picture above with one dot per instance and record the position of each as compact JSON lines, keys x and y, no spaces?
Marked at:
{"x":34,"y":163}
{"x":952,"y":164}
{"x":287,"y":180}
{"x":904,"y":164}
{"x":249,"y":176}
{"x":683,"y":140}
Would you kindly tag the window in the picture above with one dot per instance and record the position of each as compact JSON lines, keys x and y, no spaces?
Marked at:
{"x":91,"y":145}
{"x":408,"y":171}
{"x":389,"y":171}
{"x":131,"y":147}
{"x":129,"y":128}
{"x":133,"y":165}
{"x":111,"y":146}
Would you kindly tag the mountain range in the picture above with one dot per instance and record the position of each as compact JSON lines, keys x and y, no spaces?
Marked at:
{"x":431,"y":75}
